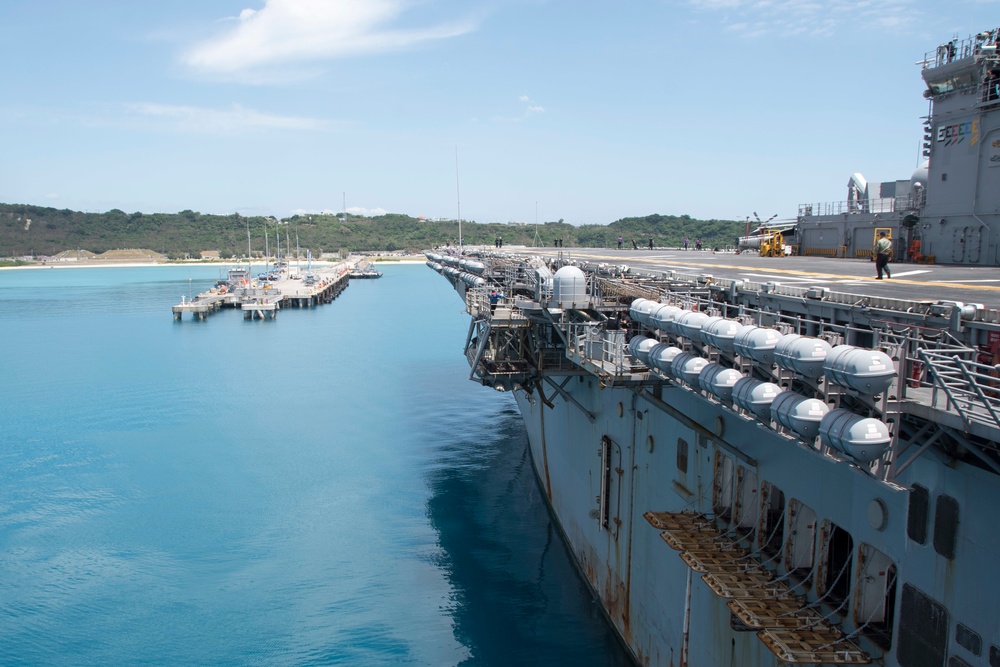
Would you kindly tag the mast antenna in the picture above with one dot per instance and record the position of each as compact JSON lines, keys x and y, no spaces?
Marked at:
{"x":458,"y":197}
{"x":537,"y":240}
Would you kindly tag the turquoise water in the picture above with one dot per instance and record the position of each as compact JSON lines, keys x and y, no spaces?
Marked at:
{"x":324,"y":489}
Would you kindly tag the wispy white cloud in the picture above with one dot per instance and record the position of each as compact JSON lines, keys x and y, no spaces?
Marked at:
{"x":809,"y":17}
{"x":287,"y":34}
{"x":234,"y":120}
{"x":369,"y":212}
{"x":353,"y":210}
{"x":528,"y":108}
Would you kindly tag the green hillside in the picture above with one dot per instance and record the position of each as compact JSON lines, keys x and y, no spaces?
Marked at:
{"x":35,"y":230}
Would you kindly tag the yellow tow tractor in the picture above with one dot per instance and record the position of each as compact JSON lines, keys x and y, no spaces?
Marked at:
{"x":773,"y":244}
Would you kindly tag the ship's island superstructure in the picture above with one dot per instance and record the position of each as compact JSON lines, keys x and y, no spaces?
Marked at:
{"x":948,"y":211}
{"x":753,"y":474}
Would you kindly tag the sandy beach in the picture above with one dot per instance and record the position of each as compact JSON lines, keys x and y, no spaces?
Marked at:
{"x":87,"y":265}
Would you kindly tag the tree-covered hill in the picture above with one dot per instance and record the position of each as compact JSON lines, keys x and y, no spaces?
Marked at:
{"x":35,"y":230}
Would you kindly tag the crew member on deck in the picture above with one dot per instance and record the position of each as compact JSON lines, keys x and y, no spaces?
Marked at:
{"x":883,"y":251}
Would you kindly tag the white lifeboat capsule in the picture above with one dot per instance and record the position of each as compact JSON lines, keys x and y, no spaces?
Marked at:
{"x":799,"y":413}
{"x":719,"y":381}
{"x":755,"y":397}
{"x":756,"y":343}
{"x":864,"y":439}
{"x":802,"y":354}
{"x":640,"y":346}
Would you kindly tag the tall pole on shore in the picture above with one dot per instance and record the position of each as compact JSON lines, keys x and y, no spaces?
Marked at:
{"x":249,"y":251}
{"x":458,"y":195}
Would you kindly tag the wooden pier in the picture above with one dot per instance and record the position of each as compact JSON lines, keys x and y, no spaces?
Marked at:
{"x":263,"y":299}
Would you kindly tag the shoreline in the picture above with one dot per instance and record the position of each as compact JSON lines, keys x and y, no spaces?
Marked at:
{"x":81,"y":265}
{"x":119,"y":263}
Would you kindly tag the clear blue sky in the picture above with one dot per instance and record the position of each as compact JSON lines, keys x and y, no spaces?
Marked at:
{"x":586,"y":111}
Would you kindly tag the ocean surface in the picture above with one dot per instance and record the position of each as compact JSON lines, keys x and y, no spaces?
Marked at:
{"x":327,"y":488}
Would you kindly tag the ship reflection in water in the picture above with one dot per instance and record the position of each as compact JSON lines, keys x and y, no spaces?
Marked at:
{"x":518,"y":598}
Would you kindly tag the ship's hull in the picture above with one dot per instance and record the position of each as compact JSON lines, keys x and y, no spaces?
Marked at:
{"x":641,"y":583}
{"x":663,"y":455}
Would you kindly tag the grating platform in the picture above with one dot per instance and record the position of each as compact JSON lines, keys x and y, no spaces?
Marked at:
{"x":680,"y":521}
{"x":700,"y":541}
{"x":811,"y":647}
{"x":794,"y":633}
{"x":717,"y":562}
{"x":746,"y":586}
{"x":783,"y":614}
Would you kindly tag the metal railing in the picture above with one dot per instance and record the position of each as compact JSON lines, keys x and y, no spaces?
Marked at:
{"x":873,"y":205}
{"x":971,"y":388}
{"x":603,"y":347}
{"x":477,"y":302}
{"x":954,"y":50}
{"x":256,"y":292}
{"x":989,"y":90}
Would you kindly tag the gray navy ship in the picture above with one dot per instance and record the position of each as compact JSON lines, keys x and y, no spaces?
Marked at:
{"x":770,"y":460}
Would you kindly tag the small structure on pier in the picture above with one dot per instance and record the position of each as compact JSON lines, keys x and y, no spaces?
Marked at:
{"x":363,"y":270}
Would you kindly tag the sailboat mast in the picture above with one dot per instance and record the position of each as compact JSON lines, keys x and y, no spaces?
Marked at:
{"x":249,"y":250}
{"x":267,"y":250}
{"x":298,"y":254}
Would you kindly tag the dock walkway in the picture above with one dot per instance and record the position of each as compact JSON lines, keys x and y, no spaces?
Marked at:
{"x":263,"y":299}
